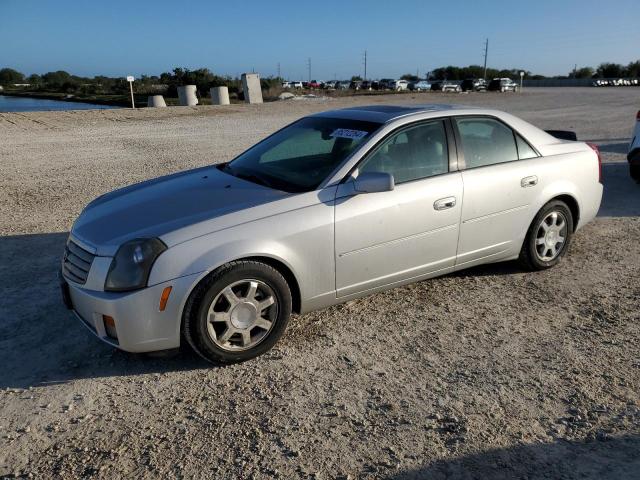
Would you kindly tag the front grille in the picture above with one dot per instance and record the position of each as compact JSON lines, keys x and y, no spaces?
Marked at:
{"x":77,"y":262}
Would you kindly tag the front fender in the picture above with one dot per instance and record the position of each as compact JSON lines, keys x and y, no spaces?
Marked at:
{"x":300,"y":239}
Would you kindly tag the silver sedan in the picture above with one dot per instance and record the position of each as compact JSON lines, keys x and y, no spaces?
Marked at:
{"x":335,"y":206}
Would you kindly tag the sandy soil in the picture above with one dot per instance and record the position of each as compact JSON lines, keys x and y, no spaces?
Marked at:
{"x":489,"y":373}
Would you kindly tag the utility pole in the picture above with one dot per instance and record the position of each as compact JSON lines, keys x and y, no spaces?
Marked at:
{"x":279,"y":70}
{"x":309,"y":67}
{"x":365,"y":65}
{"x":486,"y":52}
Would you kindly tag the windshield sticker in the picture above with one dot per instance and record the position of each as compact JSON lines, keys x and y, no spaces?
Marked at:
{"x":346,"y":133}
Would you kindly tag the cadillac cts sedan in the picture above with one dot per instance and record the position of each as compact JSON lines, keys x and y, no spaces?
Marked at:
{"x":335,"y":206}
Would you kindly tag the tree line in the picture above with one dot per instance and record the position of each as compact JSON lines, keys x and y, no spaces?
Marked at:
{"x":166,"y":83}
{"x":604,"y":70}
{"x":204,"y":79}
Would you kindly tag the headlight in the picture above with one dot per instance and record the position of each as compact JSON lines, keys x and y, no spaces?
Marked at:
{"x":130,"y":267}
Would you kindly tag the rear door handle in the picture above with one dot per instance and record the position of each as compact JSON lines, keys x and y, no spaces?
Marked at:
{"x":444,"y":203}
{"x":529,"y":181}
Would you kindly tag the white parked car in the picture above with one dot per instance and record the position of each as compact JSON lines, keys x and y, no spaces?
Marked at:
{"x":297,"y":84}
{"x":398,"y":85}
{"x":634,"y":151}
{"x":451,"y":86}
{"x":286,"y":84}
{"x":337,"y":205}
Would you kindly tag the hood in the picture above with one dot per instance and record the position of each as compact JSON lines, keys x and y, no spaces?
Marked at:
{"x":159,"y":206}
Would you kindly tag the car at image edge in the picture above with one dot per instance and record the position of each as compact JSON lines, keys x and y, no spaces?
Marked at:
{"x":634,"y":151}
{"x":335,"y":206}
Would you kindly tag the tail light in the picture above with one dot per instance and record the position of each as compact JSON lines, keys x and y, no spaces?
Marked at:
{"x":597,"y":150}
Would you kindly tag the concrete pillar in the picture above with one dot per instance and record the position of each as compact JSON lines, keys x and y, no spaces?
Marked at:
{"x":187,"y":96}
{"x":156,"y":101}
{"x":219,"y":96}
{"x":251,"y":88}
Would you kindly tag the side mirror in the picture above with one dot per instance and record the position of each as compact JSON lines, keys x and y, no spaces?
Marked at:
{"x":372,"y":182}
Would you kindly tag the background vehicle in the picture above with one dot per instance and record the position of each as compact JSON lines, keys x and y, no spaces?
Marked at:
{"x":330,"y":85}
{"x":286,"y":84}
{"x":398,"y":85}
{"x":445,"y":86}
{"x":503,"y":85}
{"x":420,"y":86}
{"x":450,"y":86}
{"x":343,"y":85}
{"x":386,"y":84}
{"x":279,"y":229}
{"x":314,"y":84}
{"x":634,"y":151}
{"x":297,"y":84}
{"x":473,"y":85}
{"x":355,"y":85}
{"x":365,"y":85}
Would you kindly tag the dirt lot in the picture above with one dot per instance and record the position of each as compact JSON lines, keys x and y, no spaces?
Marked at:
{"x":488,"y":373}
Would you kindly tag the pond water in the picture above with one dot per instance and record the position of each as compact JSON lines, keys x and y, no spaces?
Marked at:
{"x":27,"y":104}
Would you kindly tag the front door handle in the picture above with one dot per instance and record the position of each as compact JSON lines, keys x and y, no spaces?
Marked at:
{"x":529,"y":181}
{"x":444,"y":203}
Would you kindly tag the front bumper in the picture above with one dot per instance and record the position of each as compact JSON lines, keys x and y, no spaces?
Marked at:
{"x":139,"y":323}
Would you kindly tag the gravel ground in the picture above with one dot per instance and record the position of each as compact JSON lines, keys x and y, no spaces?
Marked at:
{"x":488,"y":373}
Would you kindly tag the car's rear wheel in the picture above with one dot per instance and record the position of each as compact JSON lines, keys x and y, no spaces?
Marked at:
{"x":634,"y":171}
{"x":238,"y":312}
{"x":548,"y":236}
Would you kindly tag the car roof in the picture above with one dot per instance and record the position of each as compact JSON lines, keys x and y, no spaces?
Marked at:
{"x":387,"y":113}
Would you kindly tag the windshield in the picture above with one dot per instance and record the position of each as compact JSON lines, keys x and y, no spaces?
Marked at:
{"x":299,"y":157}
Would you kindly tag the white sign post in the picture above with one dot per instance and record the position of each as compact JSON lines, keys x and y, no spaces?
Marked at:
{"x":521,"y":77}
{"x":130,"y":79}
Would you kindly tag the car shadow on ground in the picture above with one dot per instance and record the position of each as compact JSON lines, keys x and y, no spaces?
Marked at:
{"x":611,"y":458}
{"x":622,"y":147}
{"x":41,"y":342}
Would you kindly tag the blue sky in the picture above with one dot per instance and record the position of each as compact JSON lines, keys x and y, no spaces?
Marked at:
{"x":137,"y":36}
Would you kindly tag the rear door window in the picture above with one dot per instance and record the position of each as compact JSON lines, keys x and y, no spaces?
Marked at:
{"x":486,"y":141}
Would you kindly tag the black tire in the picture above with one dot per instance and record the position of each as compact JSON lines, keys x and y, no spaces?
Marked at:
{"x":634,"y":171}
{"x":529,"y":255}
{"x":195,"y":316}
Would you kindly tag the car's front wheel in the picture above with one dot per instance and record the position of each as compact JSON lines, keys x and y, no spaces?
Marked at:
{"x":548,"y":236}
{"x":238,"y":312}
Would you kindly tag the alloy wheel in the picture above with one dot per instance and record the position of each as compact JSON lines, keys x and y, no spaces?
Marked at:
{"x":242,"y":315}
{"x":551,"y":236}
